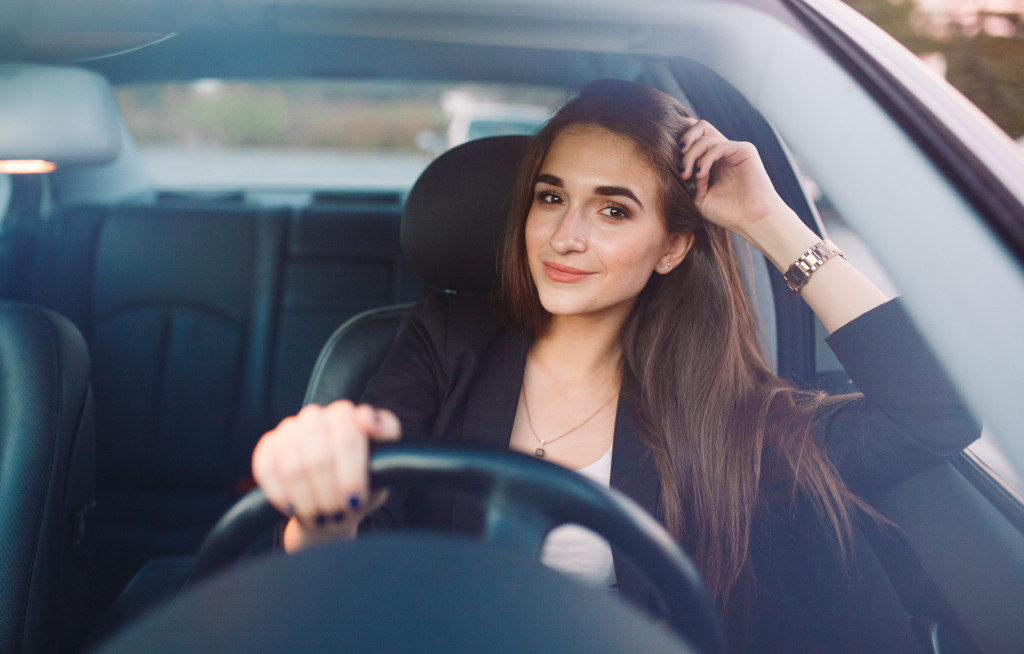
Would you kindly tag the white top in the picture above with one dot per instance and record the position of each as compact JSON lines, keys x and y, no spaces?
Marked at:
{"x":578,"y":552}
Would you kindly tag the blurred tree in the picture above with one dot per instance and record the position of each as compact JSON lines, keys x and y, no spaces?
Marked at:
{"x":985,"y":67}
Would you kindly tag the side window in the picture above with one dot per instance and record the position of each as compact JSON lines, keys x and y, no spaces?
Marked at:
{"x":827,"y":365}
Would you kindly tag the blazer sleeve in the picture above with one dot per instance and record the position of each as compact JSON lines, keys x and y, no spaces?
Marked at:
{"x":410,"y":383}
{"x":424,"y":379}
{"x":412,"y":377}
{"x":909,"y":418}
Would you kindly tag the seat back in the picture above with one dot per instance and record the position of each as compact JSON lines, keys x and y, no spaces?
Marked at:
{"x":46,"y":479}
{"x":451,"y":230}
{"x":342,"y":257}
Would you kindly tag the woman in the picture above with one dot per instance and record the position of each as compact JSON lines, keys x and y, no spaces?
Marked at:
{"x":624,"y":347}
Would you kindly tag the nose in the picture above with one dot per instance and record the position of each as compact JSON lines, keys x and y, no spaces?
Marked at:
{"x":570,"y":234}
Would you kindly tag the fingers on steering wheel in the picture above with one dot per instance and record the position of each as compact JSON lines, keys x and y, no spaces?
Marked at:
{"x":350,"y":453}
{"x":289,"y":474}
{"x":379,"y":424}
{"x":264,"y":469}
{"x":314,"y":479}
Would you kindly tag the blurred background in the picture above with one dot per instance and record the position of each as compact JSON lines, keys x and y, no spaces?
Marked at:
{"x":315,"y":134}
{"x":977,"y":45}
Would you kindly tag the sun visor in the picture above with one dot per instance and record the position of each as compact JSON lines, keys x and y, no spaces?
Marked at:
{"x":62,"y":115}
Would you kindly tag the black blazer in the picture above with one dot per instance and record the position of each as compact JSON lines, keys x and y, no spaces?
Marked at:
{"x":454,"y":375}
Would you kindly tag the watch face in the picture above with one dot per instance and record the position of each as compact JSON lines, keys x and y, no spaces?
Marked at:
{"x":798,"y":274}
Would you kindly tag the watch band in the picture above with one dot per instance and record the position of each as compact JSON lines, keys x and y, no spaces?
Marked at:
{"x":805,"y":265}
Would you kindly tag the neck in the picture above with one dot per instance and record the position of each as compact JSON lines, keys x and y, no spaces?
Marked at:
{"x":578,"y":348}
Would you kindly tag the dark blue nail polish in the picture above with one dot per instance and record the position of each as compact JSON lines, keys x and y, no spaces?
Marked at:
{"x":320,"y":520}
{"x":354,"y":501}
{"x":290,"y":510}
{"x":698,"y":170}
{"x":339,"y":516}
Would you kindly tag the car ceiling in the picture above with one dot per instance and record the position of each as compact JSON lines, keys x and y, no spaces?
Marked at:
{"x":561,"y":45}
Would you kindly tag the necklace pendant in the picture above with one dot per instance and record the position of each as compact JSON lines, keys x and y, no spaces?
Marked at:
{"x":539,"y":453}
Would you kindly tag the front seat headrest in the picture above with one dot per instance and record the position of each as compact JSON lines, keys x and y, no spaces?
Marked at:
{"x":456,"y":211}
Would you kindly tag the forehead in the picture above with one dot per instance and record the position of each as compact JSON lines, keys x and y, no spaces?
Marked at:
{"x":592,"y":156}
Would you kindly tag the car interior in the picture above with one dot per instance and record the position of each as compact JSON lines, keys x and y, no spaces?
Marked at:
{"x":149,"y":336}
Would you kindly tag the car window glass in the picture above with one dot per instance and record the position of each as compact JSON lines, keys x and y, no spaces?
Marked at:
{"x":215,"y":134}
{"x":836,"y":228}
{"x":827,"y":366}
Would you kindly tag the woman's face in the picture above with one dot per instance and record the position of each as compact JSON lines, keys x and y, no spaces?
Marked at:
{"x":594,"y":233}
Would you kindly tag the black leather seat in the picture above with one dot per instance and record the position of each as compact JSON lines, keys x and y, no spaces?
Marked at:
{"x":46,"y":479}
{"x":451,"y":228}
{"x":204,"y":317}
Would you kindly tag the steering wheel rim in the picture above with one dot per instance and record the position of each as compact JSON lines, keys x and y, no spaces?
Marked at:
{"x":524,"y":498}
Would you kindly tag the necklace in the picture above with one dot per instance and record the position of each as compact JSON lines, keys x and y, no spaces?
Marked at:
{"x":539,"y":453}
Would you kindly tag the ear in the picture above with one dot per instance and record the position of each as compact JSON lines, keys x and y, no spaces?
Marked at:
{"x":679,"y":245}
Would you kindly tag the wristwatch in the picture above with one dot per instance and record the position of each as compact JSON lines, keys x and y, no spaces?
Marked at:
{"x":802,"y":269}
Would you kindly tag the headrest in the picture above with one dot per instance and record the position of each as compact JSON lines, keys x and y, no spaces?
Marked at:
{"x":455,"y":213}
{"x":58,"y":114}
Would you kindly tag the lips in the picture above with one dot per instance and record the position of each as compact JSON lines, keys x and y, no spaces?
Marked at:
{"x":565,"y":274}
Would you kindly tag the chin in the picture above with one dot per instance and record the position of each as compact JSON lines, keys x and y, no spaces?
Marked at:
{"x":561,"y":306}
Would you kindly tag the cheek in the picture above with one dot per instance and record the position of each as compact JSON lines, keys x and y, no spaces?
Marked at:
{"x":633,"y":259}
{"x":534,"y":234}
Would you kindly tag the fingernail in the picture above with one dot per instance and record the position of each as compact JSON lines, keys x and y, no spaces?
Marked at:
{"x":339,"y":516}
{"x":354,"y":501}
{"x":290,"y":509}
{"x":320,"y":520}
{"x":377,"y":420}
{"x":698,"y":170}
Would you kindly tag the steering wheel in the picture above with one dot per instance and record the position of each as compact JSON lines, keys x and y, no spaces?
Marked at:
{"x":524,"y":498}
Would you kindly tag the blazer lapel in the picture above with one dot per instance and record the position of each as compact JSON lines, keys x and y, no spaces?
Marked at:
{"x":491,"y":412}
{"x":634,"y":474}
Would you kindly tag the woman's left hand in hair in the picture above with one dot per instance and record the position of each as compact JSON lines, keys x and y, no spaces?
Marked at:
{"x":733,"y":189}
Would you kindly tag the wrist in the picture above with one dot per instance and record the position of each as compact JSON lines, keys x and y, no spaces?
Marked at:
{"x":780,"y":236}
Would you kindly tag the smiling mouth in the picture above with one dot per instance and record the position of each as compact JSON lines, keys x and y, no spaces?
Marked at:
{"x":564,"y":274}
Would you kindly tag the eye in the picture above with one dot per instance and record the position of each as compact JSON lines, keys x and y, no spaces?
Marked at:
{"x":549,"y":197}
{"x":615,"y":211}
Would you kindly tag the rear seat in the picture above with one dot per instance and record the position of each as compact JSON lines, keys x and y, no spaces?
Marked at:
{"x":343,"y":257}
{"x":204,"y":321}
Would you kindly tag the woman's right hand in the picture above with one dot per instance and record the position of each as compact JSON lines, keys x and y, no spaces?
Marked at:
{"x":314,"y":467}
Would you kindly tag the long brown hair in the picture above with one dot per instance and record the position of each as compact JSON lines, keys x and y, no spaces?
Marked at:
{"x":728,"y":436}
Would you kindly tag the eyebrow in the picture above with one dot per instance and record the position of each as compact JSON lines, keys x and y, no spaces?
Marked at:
{"x":600,"y":190}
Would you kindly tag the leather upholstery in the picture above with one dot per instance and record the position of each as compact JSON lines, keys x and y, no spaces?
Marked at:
{"x":46,"y":477}
{"x":353,"y":354}
{"x":204,"y":318}
{"x":451,"y":228}
{"x":453,"y":217}
{"x":329,"y":245}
